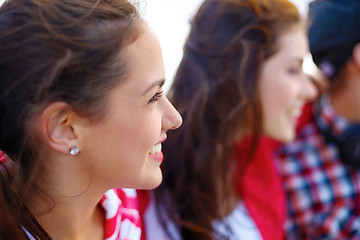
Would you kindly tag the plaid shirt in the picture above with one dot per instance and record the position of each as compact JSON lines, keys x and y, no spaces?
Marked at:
{"x":323,"y":194}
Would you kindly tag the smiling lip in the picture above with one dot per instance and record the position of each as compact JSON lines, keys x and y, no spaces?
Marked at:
{"x":158,"y":156}
{"x":295,"y":114}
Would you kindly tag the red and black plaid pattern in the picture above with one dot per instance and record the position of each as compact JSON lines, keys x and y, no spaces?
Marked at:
{"x":323,"y":195}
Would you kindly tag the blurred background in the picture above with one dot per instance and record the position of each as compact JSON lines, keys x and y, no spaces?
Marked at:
{"x":170,"y":19}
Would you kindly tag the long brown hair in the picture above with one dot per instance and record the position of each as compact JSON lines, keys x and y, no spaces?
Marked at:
{"x":54,"y":50}
{"x":216,"y":92}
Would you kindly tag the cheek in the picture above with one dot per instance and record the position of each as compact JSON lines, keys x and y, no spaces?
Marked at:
{"x":277,"y":95}
{"x":277,"y":92}
{"x":273,"y":97}
{"x":146,"y":131}
{"x":276,"y":109}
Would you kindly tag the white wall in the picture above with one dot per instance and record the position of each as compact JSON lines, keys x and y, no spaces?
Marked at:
{"x":170,"y":19}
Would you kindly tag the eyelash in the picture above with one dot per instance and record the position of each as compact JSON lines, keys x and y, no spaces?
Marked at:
{"x":156,"y":97}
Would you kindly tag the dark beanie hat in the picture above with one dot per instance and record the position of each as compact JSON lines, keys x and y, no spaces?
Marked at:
{"x":334,"y":30}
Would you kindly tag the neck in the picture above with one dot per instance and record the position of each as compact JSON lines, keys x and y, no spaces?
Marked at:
{"x":73,"y":218}
{"x":345,"y":97}
{"x":67,"y":206}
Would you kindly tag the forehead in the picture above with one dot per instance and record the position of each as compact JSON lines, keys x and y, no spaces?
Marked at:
{"x":143,"y":59}
{"x":292,"y":44}
{"x":294,"y":39}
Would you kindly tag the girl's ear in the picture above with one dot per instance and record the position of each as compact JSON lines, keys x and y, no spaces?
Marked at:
{"x":356,"y":55}
{"x":57,"y":130}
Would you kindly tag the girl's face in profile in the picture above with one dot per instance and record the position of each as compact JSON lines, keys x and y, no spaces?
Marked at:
{"x":284,"y":87}
{"x":125,"y":149}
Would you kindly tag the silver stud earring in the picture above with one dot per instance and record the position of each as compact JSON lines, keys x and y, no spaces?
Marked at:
{"x":74,"y":150}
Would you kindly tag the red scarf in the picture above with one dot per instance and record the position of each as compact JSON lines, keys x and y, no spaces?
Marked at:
{"x":261,"y":190}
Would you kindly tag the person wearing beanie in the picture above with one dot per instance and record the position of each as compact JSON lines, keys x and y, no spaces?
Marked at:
{"x":321,"y":168}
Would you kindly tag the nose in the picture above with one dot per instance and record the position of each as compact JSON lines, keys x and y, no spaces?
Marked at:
{"x":171,"y":118}
{"x":310,"y":91}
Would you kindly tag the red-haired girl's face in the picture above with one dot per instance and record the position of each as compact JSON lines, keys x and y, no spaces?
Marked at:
{"x":284,"y":87}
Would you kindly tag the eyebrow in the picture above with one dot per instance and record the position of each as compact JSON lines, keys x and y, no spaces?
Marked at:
{"x":158,"y":83}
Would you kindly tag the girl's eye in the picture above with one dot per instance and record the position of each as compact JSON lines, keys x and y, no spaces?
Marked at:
{"x":294,"y":70}
{"x":156,"y":97}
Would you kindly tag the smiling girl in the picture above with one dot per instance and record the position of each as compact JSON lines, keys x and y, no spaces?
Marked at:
{"x":82,"y":115}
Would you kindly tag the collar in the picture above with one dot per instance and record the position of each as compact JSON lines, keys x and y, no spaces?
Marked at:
{"x":326,"y":117}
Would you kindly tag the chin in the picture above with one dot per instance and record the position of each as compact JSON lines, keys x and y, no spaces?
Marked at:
{"x":283,"y":136}
{"x":287,"y":137}
{"x":152,"y":183}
